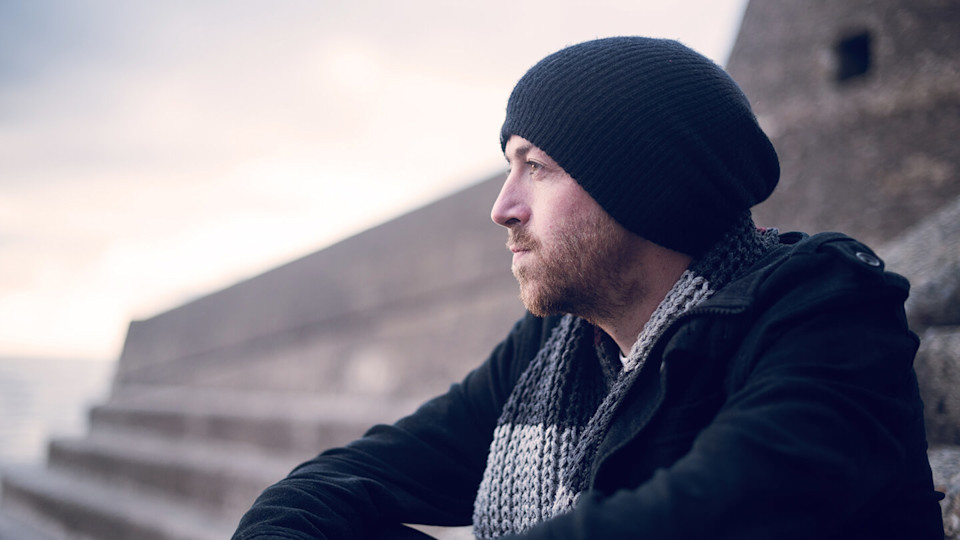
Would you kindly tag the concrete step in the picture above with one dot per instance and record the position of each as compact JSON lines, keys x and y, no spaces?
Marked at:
{"x":220,"y":478}
{"x":284,"y":424}
{"x":66,"y":506}
{"x":14,"y":528}
{"x":945,"y":462}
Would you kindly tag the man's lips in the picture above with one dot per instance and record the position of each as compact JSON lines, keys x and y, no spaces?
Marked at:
{"x":520,"y":253}
{"x":519,"y":241}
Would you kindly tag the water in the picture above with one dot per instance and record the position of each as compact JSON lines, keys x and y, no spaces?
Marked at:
{"x":42,"y":398}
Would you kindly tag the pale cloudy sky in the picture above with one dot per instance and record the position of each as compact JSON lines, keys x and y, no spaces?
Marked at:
{"x":154,"y":151}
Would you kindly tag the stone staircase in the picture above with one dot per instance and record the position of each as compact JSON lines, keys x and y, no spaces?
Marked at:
{"x":170,"y":464}
{"x":216,"y":399}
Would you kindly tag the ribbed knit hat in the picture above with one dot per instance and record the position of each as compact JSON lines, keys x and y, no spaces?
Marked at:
{"x":660,"y":136}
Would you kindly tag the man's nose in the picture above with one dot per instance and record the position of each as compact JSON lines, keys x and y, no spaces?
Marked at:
{"x":510,"y":208}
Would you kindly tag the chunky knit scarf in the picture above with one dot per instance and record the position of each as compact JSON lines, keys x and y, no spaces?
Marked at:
{"x":560,"y":409}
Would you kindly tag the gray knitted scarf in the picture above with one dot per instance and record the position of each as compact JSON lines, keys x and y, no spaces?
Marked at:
{"x":553,"y":421}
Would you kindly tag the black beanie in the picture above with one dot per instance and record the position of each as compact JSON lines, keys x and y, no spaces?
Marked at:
{"x":660,"y":136}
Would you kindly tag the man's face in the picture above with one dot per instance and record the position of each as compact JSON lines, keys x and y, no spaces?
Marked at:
{"x":569,"y":255}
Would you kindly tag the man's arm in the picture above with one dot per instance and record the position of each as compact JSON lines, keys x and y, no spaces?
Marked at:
{"x":423,"y":469}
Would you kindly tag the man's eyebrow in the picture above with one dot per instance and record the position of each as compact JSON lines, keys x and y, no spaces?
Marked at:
{"x":520,"y":151}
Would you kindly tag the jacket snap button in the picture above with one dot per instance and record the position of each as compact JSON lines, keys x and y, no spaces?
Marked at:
{"x":867,"y":258}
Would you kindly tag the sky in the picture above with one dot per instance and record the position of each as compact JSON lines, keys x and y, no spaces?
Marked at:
{"x":154,"y":152}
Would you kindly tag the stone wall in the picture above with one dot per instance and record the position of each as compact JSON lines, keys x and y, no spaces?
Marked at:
{"x":378,"y":314}
{"x":871,"y":153}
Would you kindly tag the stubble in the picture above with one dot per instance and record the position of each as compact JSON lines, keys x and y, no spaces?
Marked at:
{"x":581,"y":271}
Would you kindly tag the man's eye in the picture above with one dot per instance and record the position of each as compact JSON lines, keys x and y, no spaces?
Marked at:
{"x":534,"y":166}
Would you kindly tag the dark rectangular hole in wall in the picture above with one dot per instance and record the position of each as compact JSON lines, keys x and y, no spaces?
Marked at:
{"x":853,"y":57}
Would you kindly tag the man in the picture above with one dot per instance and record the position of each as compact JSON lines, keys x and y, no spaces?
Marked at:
{"x":681,"y":374}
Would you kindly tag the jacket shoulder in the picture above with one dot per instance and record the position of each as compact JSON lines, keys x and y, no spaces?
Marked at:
{"x":828,"y":262}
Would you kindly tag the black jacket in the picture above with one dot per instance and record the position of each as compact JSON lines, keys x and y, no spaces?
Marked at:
{"x":786,"y":406}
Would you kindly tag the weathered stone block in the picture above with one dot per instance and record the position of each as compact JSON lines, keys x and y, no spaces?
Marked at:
{"x":945,"y":462}
{"x":938,"y":372}
{"x":928,"y":254}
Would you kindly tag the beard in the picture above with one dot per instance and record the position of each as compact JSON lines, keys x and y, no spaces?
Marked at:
{"x":582,"y":272}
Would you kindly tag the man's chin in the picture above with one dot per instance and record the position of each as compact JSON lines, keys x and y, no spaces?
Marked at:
{"x":536,"y":303}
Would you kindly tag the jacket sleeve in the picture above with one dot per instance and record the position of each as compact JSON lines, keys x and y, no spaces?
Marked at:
{"x":821,"y":419}
{"x":424,"y":469}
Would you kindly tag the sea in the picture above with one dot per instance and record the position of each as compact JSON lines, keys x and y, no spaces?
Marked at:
{"x":46,"y":398}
